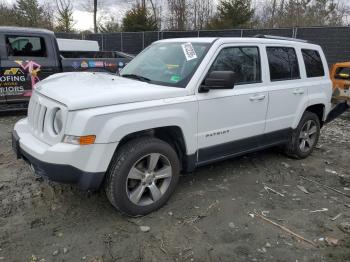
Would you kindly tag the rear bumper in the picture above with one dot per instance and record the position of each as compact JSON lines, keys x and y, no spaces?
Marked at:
{"x":337,"y":111}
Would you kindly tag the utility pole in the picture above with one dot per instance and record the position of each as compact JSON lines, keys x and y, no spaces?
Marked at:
{"x":273,"y":14}
{"x":95,"y":16}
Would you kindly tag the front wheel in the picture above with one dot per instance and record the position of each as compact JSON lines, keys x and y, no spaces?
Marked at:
{"x":305,"y":137}
{"x":142,"y":176}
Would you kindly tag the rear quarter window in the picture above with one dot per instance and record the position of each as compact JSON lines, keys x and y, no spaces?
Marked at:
{"x":283,"y":63}
{"x":313,"y":63}
{"x":25,"y":46}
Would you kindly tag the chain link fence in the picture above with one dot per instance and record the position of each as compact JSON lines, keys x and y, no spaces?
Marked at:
{"x":335,"y":41}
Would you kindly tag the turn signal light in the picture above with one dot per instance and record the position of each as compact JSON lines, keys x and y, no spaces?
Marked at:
{"x":87,"y":140}
{"x":79,"y":140}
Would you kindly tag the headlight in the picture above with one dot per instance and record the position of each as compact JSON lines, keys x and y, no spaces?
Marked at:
{"x":57,"y":122}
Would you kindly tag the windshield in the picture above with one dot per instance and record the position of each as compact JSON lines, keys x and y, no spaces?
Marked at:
{"x":170,"y":64}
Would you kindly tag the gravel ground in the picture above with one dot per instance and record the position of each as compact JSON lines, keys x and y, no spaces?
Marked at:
{"x":211,"y":217}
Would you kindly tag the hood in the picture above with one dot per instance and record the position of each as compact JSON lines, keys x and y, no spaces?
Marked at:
{"x":79,"y":90}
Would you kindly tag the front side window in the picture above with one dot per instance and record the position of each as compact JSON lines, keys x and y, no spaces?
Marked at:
{"x":243,"y":61}
{"x":283,"y":63}
{"x":25,"y":46}
{"x":313,"y":63}
{"x":342,"y":73}
{"x":169,"y":64}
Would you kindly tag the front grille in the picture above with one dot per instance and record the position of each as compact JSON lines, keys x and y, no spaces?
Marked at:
{"x":41,"y":111}
{"x":36,"y":115}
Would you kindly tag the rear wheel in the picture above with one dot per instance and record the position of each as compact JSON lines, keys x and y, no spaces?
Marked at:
{"x":142,"y":177}
{"x":305,"y":137}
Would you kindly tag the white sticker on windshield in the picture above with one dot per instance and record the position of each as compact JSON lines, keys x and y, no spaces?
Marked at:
{"x":189,"y":51}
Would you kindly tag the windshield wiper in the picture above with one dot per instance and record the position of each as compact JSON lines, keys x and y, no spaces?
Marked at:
{"x":137,"y":77}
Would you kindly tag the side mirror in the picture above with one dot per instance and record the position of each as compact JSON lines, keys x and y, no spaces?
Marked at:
{"x":218,"y":80}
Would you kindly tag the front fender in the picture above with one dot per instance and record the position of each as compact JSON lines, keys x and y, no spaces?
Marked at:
{"x":123,"y":125}
{"x":110,"y":125}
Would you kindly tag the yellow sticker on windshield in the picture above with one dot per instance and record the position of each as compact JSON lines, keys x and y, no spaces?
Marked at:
{"x":189,"y":51}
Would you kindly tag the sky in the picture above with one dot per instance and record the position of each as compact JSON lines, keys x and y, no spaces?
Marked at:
{"x":84,"y":19}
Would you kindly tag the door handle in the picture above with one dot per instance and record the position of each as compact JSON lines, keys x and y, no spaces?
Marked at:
{"x":298,"y":91}
{"x":257,"y":98}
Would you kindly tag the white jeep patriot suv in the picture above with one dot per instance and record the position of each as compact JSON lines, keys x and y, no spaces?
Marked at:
{"x":180,"y":104}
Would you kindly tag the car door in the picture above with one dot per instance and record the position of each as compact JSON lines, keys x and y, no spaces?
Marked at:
{"x":28,"y":59}
{"x":287,"y":90}
{"x":231,"y":121}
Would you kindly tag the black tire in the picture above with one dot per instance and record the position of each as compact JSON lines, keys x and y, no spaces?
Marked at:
{"x":293,"y":147}
{"x":127,"y":157}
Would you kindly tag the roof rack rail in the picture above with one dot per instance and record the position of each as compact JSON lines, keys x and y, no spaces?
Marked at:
{"x":280,"y":38}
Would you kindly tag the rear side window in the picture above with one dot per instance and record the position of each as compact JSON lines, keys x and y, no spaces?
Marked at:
{"x":243,"y":61}
{"x":313,"y":63}
{"x":25,"y":46}
{"x":283,"y":63}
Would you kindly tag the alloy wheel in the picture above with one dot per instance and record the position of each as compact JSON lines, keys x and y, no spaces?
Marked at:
{"x":148,"y":179}
{"x":307,"y":136}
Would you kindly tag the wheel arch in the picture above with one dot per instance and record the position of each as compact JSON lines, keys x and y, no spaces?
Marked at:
{"x":319,"y":110}
{"x":173,"y":135}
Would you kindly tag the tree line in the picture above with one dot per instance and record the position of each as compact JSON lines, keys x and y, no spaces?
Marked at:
{"x":152,"y":15}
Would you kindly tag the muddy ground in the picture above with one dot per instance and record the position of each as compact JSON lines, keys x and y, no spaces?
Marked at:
{"x":209,"y":218}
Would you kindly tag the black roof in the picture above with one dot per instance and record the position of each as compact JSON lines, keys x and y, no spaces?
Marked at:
{"x":27,"y":30}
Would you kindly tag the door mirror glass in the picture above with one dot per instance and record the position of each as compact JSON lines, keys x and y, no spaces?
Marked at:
{"x":219,"y":80}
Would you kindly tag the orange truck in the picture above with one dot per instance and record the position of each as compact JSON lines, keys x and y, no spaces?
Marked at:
{"x":340,"y":76}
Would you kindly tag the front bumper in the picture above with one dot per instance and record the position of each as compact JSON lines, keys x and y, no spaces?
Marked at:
{"x":84,"y":166}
